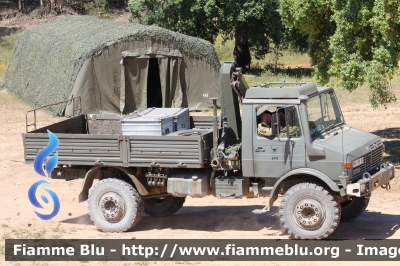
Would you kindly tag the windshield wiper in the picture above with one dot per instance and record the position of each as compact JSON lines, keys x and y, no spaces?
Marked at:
{"x":330,"y":127}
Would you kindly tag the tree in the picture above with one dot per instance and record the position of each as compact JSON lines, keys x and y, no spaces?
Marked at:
{"x":96,"y":7}
{"x":356,"y":40}
{"x":253,"y":24}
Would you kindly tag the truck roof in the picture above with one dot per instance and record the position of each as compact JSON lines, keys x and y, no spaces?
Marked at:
{"x":283,"y":90}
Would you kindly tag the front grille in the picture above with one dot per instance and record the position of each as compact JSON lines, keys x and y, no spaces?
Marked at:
{"x":372,"y":160}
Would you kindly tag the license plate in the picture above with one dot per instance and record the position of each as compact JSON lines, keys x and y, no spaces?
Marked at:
{"x":358,"y":162}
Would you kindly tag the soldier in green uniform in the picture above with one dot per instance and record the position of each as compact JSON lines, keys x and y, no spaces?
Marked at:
{"x":264,"y":127}
{"x":294,"y":131}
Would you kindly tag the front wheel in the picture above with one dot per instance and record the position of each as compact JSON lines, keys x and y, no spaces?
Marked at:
{"x":115,"y":205}
{"x":309,"y":211}
{"x":163,"y":206}
{"x":353,"y":208}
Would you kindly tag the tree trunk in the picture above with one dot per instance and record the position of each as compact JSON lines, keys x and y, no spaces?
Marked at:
{"x":241,"y":52}
{"x":20,"y":5}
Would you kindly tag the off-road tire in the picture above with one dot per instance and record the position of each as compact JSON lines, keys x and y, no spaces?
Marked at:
{"x":309,"y":211}
{"x":111,"y":191}
{"x":161,"y":207}
{"x":353,"y":208}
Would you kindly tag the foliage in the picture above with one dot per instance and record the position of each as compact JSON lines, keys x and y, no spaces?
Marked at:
{"x":96,"y":7}
{"x":251,"y":22}
{"x":355,"y":40}
{"x":91,"y":7}
{"x":6,"y":48}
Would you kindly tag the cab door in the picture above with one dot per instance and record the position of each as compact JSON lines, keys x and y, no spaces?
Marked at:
{"x":292,"y":136}
{"x":284,"y":150}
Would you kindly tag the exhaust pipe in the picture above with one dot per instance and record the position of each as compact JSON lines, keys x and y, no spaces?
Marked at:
{"x":215,"y":163}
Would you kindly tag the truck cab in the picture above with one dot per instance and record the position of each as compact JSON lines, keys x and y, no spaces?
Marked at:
{"x":309,"y":134}
{"x":325,"y":169}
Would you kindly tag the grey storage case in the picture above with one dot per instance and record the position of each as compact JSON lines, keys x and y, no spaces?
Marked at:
{"x":181,"y":116}
{"x":182,"y":120}
{"x":147,"y":126}
{"x":157,"y":121}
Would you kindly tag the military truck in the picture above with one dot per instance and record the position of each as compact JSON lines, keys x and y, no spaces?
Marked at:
{"x":325,"y":169}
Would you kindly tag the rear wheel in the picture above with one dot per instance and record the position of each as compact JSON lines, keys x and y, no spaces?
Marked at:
{"x":163,"y":206}
{"x":309,"y":211}
{"x":115,"y":205}
{"x":353,"y":208}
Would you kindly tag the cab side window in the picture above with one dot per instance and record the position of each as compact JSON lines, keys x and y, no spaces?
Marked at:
{"x":265,"y":121}
{"x":289,"y":125}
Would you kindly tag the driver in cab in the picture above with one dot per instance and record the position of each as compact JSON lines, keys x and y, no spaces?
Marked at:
{"x":264,"y":127}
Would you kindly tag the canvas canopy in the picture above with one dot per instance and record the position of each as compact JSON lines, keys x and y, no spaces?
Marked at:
{"x":114,"y":67}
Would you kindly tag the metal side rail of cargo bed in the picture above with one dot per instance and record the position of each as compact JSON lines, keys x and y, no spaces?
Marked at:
{"x":126,"y":151}
{"x":77,"y":110}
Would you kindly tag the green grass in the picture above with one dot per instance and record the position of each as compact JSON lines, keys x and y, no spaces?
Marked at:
{"x":7,"y":7}
{"x":8,"y":99}
{"x":263,"y":70}
{"x":225,"y":49}
{"x":361,"y":94}
{"x":6,"y":49}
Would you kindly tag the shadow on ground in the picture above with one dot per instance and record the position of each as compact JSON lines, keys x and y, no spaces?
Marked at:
{"x":241,"y":218}
{"x":391,"y":141}
{"x":389,"y":133}
{"x":366,"y":227}
{"x":216,"y":218}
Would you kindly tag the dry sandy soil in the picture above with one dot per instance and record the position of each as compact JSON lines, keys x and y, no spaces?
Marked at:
{"x":199,"y":218}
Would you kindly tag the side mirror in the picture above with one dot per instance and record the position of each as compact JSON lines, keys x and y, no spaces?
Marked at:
{"x":275,"y":124}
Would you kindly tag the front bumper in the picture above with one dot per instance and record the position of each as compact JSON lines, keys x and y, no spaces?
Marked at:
{"x":369,"y":183}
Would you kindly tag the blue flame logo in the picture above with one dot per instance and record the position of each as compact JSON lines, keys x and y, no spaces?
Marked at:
{"x":49,"y":166}
{"x":35,"y":202}
{"x":43,"y":154}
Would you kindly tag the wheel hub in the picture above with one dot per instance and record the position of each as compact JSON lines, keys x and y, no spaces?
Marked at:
{"x":309,"y":213}
{"x":112,"y":207}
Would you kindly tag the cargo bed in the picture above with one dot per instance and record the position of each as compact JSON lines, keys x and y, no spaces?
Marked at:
{"x":79,"y":146}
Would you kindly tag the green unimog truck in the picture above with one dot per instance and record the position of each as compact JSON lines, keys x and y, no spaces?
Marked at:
{"x":325,"y":170}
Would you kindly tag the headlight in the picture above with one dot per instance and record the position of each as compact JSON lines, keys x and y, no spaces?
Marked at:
{"x":358,"y":162}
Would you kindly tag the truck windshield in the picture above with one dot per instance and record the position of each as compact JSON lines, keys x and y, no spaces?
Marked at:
{"x":323,"y":112}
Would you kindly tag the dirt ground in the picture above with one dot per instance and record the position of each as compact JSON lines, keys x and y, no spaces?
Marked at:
{"x":203,"y":218}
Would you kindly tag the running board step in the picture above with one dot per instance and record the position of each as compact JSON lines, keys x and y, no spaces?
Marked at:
{"x":261,"y":211}
{"x":267,"y":188}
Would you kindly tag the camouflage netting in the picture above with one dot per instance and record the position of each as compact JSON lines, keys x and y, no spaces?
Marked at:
{"x":48,"y":58}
